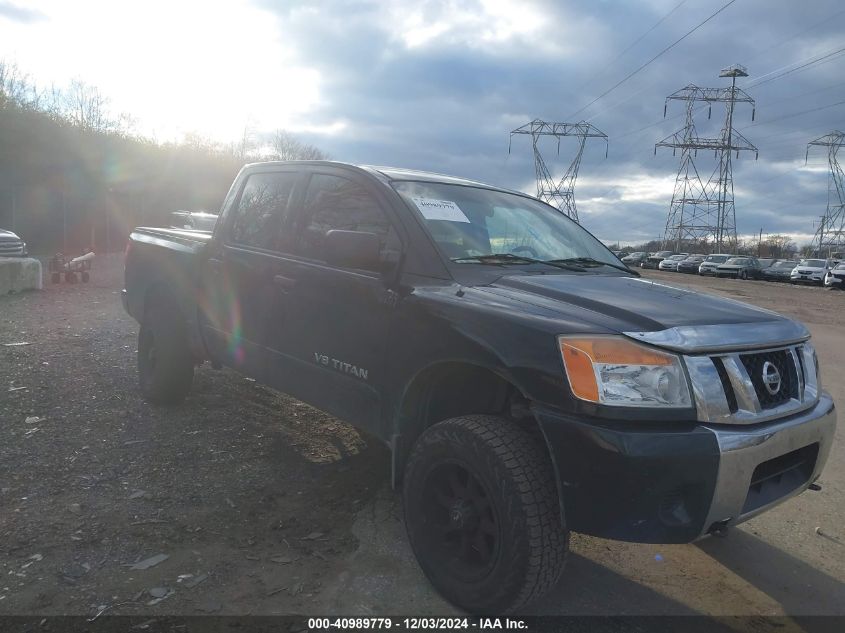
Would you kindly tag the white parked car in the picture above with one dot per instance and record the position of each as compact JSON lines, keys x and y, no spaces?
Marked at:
{"x":810,"y":271}
{"x":11,"y":245}
{"x":671,"y":263}
{"x":712,"y":262}
{"x":835,"y":278}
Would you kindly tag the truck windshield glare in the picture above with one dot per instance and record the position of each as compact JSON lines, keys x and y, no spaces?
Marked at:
{"x":471,"y":222}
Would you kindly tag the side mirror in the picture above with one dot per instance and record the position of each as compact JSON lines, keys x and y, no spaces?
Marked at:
{"x":353,"y":249}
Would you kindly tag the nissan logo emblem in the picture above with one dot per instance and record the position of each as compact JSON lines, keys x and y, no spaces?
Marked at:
{"x":771,"y":378}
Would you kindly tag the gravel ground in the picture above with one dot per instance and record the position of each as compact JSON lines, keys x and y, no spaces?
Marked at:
{"x":264,"y":505}
{"x":249,"y":494}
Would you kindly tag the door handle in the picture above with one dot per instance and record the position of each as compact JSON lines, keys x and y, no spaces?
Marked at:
{"x":283,"y":282}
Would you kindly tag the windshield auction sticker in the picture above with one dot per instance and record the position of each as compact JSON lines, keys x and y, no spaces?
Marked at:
{"x":440,"y":210}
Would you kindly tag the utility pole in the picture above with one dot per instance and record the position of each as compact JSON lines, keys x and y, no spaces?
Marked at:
{"x":562,"y":194}
{"x":64,"y":223}
{"x":831,"y":233}
{"x":704,"y":211}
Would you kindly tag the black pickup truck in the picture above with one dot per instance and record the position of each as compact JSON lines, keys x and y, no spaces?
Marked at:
{"x":526,"y":382}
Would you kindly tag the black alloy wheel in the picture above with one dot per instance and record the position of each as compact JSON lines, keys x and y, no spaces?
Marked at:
{"x":465,"y":533}
{"x":482,"y":513}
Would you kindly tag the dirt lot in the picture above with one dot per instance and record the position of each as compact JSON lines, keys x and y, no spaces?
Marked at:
{"x":262,"y":505}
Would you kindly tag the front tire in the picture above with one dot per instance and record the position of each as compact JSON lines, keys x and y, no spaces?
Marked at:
{"x":482,"y":513}
{"x":165,"y":363}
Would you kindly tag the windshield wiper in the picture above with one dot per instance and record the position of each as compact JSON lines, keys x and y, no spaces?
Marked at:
{"x":589,"y":261}
{"x":510,"y":258}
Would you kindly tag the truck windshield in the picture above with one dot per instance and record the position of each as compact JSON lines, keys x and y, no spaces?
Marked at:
{"x":468,"y":223}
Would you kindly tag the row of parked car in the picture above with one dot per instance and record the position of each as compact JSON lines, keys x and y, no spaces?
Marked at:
{"x":827,"y":272}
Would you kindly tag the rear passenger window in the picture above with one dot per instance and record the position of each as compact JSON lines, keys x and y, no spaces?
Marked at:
{"x":262,"y":207}
{"x":333,"y":202}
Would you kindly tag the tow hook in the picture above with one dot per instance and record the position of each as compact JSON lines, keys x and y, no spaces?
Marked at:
{"x":720,"y":528}
{"x":814,"y":487}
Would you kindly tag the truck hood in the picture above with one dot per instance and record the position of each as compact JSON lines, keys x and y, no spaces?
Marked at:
{"x":626,"y":304}
{"x":8,"y":235}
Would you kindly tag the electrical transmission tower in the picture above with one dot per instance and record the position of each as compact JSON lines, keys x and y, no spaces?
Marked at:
{"x":831,"y":234}
{"x":562,"y":194}
{"x":701,"y":211}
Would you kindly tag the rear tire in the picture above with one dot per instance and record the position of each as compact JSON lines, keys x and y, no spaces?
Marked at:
{"x":165,"y":363}
{"x":482,"y":514}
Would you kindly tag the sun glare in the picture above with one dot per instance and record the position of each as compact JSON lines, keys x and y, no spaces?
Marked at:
{"x":177,"y":67}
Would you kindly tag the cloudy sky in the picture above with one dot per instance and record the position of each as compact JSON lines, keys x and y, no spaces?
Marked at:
{"x":438,"y":85}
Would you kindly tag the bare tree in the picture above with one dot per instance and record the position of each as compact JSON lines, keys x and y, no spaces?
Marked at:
{"x":86,"y":107}
{"x":779,"y":245}
{"x":288,"y":147}
{"x":245,"y":149}
{"x":16,"y":88}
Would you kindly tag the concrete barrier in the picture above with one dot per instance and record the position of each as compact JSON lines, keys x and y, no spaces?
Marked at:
{"x":19,"y":273}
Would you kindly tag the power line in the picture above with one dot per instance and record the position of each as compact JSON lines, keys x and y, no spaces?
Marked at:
{"x":825,"y":20}
{"x":811,"y":62}
{"x":794,"y":114}
{"x":653,"y":59}
{"x":637,"y":41}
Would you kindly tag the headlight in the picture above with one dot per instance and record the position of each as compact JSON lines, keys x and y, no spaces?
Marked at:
{"x":614,"y":371}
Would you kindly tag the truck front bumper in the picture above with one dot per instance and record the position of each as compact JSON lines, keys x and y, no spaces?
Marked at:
{"x":655,"y":483}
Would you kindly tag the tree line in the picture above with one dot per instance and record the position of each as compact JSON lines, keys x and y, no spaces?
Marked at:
{"x":75,"y":175}
{"x":776,"y":246}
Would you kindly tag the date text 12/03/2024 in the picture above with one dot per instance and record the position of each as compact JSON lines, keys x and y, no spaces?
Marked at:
{"x":415,"y":624}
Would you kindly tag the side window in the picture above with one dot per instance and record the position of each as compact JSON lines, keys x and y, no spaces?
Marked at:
{"x":262,"y":207}
{"x":333,"y":202}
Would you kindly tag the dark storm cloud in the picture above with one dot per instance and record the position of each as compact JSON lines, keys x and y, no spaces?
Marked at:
{"x":19,"y":14}
{"x":448,"y":103}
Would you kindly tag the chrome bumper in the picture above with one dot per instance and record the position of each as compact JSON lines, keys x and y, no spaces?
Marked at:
{"x":742,"y":449}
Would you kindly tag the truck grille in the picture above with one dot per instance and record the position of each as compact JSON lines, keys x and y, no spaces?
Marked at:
{"x":11,"y":248}
{"x":754,"y":386}
{"x":786,"y":374}
{"x":726,"y":384}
